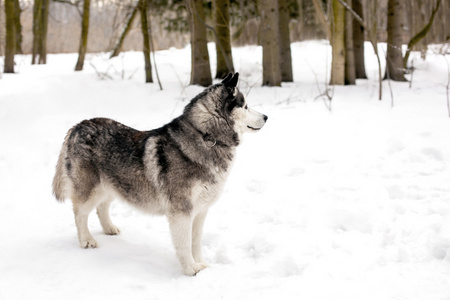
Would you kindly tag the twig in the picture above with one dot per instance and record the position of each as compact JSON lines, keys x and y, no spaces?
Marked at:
{"x":412,"y":73}
{"x":125,"y":30}
{"x":132,"y":74}
{"x":288,"y":99}
{"x":101,"y":75}
{"x":153,"y":52}
{"x":448,"y":84}
{"x":326,"y":92}
{"x":388,"y":78}
{"x":355,"y":15}
{"x":183,"y":90}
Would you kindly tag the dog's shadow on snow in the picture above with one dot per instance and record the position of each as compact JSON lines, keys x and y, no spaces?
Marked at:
{"x":122,"y":254}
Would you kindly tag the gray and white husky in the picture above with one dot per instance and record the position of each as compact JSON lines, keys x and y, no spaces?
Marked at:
{"x":178,"y":170}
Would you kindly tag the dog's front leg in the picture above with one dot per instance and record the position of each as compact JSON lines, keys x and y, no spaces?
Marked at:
{"x":197,"y":232}
{"x":181,"y":231}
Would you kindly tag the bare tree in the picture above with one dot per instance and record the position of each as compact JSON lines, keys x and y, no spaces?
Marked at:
{"x":223,"y":40}
{"x":10,"y":47}
{"x":323,"y":18}
{"x":396,"y":23}
{"x":269,"y":34}
{"x":146,"y":41}
{"x":285,"y":42}
{"x":1,"y":30}
{"x":18,"y":25}
{"x":338,"y":45}
{"x":40,"y":26}
{"x":126,"y":29}
{"x":370,"y":26}
{"x":200,"y":67}
{"x":358,"y":41}
{"x":84,"y":35}
{"x":350,"y":68}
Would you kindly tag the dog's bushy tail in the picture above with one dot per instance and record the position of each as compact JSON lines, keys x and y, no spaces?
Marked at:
{"x":60,"y":178}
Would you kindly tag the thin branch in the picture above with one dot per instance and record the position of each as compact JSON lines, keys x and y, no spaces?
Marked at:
{"x":388,"y":77}
{"x":355,"y":15}
{"x":326,"y":93}
{"x":125,"y":31}
{"x":101,"y":75}
{"x":448,"y":84}
{"x":420,"y":35}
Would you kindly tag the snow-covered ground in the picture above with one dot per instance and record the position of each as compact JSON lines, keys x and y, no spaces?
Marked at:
{"x":348,"y":204}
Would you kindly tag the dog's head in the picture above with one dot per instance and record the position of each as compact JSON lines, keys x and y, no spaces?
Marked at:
{"x":222,"y":111}
{"x":235,"y":107}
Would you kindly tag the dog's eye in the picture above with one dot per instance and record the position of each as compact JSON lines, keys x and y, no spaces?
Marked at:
{"x":246,"y":106}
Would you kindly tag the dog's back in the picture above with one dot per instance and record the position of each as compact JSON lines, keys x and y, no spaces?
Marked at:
{"x":98,"y":148}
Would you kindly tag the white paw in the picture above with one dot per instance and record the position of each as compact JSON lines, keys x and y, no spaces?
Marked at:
{"x":193,"y":269}
{"x":111,"y":230}
{"x":88,"y":243}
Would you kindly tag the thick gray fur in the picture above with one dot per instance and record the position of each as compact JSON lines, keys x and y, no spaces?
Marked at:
{"x":177,"y":170}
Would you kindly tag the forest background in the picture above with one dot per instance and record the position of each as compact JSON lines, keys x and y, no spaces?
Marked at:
{"x":62,"y":26}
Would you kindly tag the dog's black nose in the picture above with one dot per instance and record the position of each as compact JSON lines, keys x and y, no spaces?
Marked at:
{"x":265,"y":118}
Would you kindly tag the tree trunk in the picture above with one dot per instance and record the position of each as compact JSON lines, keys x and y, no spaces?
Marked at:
{"x":125,"y":31}
{"x":285,"y":42}
{"x":18,"y":26}
{"x":350,"y":73}
{"x":2,"y":33}
{"x":44,"y":27}
{"x":37,"y":32}
{"x":200,"y":68}
{"x":338,"y":44}
{"x":10,"y":47}
{"x":320,"y":13}
{"x":394,"y":60}
{"x":84,"y":36}
{"x":300,"y":20}
{"x":269,"y":34}
{"x":223,"y":43}
{"x":358,"y":41}
{"x":40,"y":22}
{"x":146,"y":40}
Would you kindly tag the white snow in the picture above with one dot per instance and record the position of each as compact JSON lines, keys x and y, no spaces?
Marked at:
{"x":348,"y":204}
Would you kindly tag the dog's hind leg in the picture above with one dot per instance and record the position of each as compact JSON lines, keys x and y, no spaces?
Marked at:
{"x":103,"y":214}
{"x":181,"y":231}
{"x":82,"y":210}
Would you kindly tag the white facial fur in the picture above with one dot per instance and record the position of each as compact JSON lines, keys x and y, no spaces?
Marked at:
{"x":248,"y":119}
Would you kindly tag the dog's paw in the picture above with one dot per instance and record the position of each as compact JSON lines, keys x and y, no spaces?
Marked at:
{"x":111,"y":230}
{"x":193,"y":269}
{"x":88,"y":243}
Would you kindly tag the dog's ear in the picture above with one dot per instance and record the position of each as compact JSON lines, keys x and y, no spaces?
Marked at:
{"x":232,"y":83}
{"x":227,"y":79}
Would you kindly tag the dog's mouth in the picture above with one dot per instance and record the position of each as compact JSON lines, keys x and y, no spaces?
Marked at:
{"x":253,"y":128}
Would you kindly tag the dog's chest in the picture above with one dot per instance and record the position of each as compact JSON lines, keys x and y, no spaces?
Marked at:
{"x":204,"y":194}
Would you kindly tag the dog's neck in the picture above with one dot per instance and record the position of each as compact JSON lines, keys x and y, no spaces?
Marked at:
{"x":211,"y":139}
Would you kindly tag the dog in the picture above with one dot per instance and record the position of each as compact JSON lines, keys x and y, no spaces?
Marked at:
{"x":178,"y":170}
